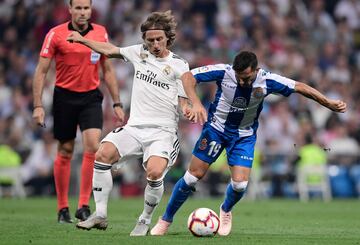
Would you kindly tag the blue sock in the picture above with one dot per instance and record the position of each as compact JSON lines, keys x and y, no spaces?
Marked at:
{"x":231,"y":198}
{"x":179,"y":195}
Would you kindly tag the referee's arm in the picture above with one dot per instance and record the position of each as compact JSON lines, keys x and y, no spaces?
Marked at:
{"x":37,"y":89}
{"x":112,"y":85}
{"x":105,"y":48}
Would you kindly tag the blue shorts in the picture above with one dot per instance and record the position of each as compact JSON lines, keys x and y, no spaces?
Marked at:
{"x":239,"y":150}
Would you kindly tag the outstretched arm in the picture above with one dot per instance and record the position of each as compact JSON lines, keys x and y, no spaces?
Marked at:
{"x":105,"y":48}
{"x":312,"y":93}
{"x":198,"y":112}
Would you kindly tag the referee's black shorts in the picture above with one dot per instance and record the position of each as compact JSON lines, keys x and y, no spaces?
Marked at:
{"x":71,"y":109}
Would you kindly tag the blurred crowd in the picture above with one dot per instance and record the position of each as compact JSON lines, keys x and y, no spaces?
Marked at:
{"x":313,"y":41}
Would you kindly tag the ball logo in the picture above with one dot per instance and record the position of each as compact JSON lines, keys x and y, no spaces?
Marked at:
{"x":203,"y":144}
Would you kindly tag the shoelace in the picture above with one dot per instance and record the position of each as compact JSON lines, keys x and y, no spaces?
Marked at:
{"x":226,"y":218}
{"x":163,"y":225}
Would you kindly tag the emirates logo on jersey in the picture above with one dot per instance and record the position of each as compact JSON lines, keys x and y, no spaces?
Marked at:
{"x":150,"y":78}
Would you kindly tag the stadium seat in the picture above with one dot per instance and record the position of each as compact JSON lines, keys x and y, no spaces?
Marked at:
{"x":313,"y":179}
{"x":12,"y":176}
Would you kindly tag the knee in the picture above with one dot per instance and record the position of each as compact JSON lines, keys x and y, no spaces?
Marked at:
{"x":239,"y":186}
{"x":66,"y":149}
{"x":198,"y":173}
{"x":154,"y":174}
{"x":105,"y":155}
{"x":190,"y":179}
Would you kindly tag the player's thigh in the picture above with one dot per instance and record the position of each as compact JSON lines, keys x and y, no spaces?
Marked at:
{"x":161,"y":149}
{"x":209,"y":145}
{"x":125,"y":143}
{"x":240,"y":154}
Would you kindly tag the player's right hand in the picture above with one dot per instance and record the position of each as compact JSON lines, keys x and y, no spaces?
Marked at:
{"x":74,"y":37}
{"x":337,"y":105}
{"x":39,"y":116}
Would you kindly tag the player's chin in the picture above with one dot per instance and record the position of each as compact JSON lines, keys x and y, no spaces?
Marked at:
{"x":81,"y":22}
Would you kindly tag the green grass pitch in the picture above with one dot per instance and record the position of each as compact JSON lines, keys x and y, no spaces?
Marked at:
{"x":33,"y":221}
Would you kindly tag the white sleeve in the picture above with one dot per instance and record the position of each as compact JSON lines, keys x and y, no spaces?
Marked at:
{"x":130,"y":53}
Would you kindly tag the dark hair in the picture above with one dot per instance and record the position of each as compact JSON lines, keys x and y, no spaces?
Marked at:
{"x":70,"y":2}
{"x":160,"y":21}
{"x":245,"y":59}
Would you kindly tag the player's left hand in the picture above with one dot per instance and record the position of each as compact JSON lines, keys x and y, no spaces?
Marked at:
{"x":74,"y":37}
{"x":198,"y":114}
{"x":337,"y":105}
{"x":120,"y":114}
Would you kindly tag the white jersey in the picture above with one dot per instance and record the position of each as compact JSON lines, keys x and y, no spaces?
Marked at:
{"x":156,"y":87}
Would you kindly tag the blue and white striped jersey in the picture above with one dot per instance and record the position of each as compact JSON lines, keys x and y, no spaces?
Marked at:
{"x":236,"y":109}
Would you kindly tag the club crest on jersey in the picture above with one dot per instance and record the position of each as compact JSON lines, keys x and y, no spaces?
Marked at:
{"x":94,"y":57}
{"x":203,"y":144}
{"x":167,"y":70}
{"x":258,"y":93}
{"x":143,"y":56}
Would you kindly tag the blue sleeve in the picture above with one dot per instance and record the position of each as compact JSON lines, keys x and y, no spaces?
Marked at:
{"x":209,"y":73}
{"x":209,"y":76}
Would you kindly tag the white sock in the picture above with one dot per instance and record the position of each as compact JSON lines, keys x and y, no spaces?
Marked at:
{"x":102,"y":186}
{"x":152,"y":196}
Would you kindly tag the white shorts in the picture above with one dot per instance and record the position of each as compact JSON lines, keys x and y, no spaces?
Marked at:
{"x":143,"y":142}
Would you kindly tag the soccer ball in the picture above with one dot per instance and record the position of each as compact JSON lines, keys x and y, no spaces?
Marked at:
{"x":203,"y":222}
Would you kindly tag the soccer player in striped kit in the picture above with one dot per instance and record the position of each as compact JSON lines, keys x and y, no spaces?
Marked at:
{"x":150,"y":133}
{"x":231,"y":124}
{"x":76,"y":101}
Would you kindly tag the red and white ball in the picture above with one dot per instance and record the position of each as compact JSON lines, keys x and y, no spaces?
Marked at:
{"x":203,"y":222}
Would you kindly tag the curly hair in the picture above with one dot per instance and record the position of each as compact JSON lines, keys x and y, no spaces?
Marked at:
{"x":160,"y":21}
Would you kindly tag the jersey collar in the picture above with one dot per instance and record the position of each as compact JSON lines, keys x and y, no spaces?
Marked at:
{"x":83,"y":33}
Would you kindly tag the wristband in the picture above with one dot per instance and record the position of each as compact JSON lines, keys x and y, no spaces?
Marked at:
{"x":38,"y":106}
{"x":119,"y":104}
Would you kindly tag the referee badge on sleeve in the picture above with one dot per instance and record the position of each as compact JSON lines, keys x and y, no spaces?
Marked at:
{"x":94,"y":57}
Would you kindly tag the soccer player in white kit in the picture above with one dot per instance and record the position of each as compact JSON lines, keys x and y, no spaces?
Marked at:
{"x":151,"y":130}
{"x":231,"y":125}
